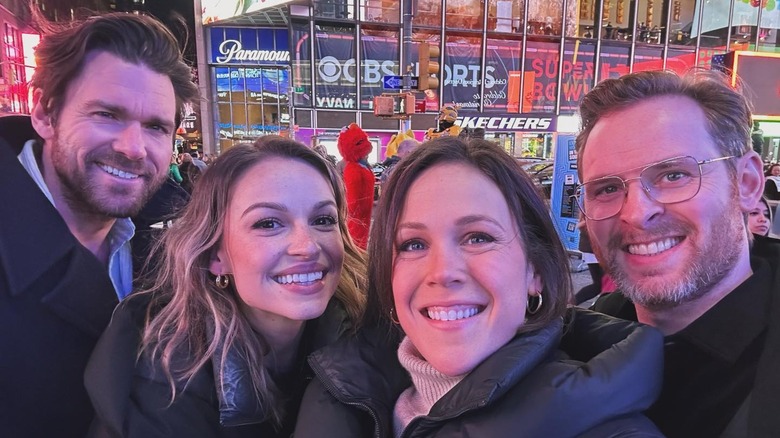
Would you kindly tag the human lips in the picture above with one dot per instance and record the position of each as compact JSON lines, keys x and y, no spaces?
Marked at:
{"x":118,"y":172}
{"x":452,"y":313}
{"x":654,"y":247}
{"x":303,"y":278}
{"x":762,"y":229}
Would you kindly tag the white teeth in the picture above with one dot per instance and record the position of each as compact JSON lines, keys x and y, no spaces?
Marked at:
{"x":116,"y":172}
{"x":653,"y":247}
{"x":304,"y":278}
{"x":443,"y":314}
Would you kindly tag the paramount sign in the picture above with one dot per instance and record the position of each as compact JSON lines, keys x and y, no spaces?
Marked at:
{"x":232,"y":50}
{"x":507,"y":123}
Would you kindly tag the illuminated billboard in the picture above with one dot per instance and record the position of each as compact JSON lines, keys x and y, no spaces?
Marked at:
{"x":216,"y":10}
{"x":758,"y":72}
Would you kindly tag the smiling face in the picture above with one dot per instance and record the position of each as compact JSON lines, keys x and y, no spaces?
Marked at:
{"x":758,"y":219}
{"x":460,"y":277}
{"x":281,"y":244}
{"x":109,"y":148}
{"x":664,"y":254}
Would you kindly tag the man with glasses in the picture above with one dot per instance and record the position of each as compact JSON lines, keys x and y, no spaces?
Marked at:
{"x":668,"y":175}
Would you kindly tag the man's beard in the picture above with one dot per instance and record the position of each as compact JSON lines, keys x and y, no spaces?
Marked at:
{"x":85,"y":195}
{"x":707,"y":266}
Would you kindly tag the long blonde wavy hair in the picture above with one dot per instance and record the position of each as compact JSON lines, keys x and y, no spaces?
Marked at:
{"x":190,"y":318}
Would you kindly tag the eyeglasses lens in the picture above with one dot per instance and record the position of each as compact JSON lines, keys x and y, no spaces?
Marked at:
{"x":667,"y":182}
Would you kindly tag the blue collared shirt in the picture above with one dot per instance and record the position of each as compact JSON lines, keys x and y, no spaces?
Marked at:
{"x":120,"y":259}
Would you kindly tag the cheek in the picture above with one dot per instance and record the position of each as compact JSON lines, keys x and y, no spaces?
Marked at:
{"x":160,"y":153}
{"x":401,"y":286}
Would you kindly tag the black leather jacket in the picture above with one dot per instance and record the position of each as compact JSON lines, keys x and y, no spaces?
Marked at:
{"x":593,"y":383}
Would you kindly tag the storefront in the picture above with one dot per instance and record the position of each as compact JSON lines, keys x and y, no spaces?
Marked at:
{"x":250,"y":77}
{"x":500,"y":58}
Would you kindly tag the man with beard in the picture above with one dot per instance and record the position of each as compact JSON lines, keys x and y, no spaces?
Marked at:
{"x":669,"y":176}
{"x":106,"y":97}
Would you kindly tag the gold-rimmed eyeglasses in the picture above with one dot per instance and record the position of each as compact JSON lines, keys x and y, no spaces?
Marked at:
{"x":669,"y":181}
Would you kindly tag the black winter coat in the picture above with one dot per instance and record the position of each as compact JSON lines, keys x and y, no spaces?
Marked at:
{"x":55,"y":300}
{"x":131,"y":398}
{"x":608,"y":372}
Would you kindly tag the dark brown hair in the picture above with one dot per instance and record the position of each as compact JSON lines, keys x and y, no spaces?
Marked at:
{"x":540,"y":240}
{"x":137,"y":39}
{"x":727,"y":110}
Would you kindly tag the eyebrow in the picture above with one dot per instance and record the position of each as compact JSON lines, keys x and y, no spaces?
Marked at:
{"x":282,"y":208}
{"x":465,"y":220}
{"x":642,"y":167}
{"x":122,"y":111}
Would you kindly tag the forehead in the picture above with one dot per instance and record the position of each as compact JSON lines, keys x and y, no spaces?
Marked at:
{"x":646,"y":132}
{"x":136,"y":87}
{"x":452,"y":190}
{"x":281,"y":180}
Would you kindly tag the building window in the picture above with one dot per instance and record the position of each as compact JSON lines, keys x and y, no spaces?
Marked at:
{"x":14,"y":96}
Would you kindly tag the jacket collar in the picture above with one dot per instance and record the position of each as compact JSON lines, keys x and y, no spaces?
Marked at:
{"x":500,"y":372}
{"x":238,"y":403}
{"x":619,"y":373}
{"x":35,"y":240}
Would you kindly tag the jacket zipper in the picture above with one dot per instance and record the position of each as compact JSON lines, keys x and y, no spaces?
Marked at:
{"x":331,"y":388}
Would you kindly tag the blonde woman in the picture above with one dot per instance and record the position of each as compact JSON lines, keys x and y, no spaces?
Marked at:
{"x":258,"y":272}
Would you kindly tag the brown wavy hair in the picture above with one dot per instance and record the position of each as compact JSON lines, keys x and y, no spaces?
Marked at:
{"x":726,"y":109}
{"x":535,"y":228}
{"x":138,"y":39}
{"x":189,"y":316}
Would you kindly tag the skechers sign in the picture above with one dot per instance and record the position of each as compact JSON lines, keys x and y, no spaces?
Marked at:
{"x":507,"y":123}
{"x":249,"y":46}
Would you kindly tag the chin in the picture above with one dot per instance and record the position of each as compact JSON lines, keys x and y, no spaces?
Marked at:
{"x":452,"y":368}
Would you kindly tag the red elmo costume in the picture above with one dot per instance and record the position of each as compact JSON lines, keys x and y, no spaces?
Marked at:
{"x":354,"y":146}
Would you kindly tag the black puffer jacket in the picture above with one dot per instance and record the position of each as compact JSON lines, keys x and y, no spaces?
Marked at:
{"x":594,"y":383}
{"x":132,"y":398}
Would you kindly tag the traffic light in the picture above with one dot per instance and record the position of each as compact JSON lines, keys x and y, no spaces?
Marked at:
{"x":427,"y":65}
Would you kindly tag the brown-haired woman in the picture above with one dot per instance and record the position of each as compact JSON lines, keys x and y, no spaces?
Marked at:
{"x":257,"y":272}
{"x":464,"y":260}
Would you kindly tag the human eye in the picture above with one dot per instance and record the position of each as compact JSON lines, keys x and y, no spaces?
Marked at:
{"x":670,"y":174}
{"x":159,"y":128}
{"x":266,"y":224}
{"x":603,"y":190}
{"x":104,"y":114}
{"x":325,"y":220}
{"x":674,"y":176}
{"x":478,"y":238}
{"x":411,"y":245}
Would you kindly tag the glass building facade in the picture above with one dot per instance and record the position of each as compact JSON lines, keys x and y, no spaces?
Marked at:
{"x":499,"y":59}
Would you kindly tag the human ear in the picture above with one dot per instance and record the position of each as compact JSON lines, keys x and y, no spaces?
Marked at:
{"x":535,"y":283}
{"x":750,"y":180}
{"x":42,"y":121}
{"x":219,"y":263}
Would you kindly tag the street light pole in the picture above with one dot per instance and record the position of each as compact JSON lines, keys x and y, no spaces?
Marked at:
{"x":406,"y":61}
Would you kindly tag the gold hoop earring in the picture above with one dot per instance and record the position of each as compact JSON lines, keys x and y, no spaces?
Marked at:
{"x":393,"y":316}
{"x":534,"y":303}
{"x":222,"y":281}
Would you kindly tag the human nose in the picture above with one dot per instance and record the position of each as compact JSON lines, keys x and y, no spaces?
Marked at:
{"x":444,"y":266}
{"x":130,"y":142}
{"x":303,"y":242}
{"x":638,"y":206}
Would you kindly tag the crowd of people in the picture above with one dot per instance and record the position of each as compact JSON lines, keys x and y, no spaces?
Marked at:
{"x":274,"y":302}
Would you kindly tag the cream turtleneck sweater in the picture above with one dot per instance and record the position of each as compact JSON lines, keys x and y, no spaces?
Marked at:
{"x":428,"y":386}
